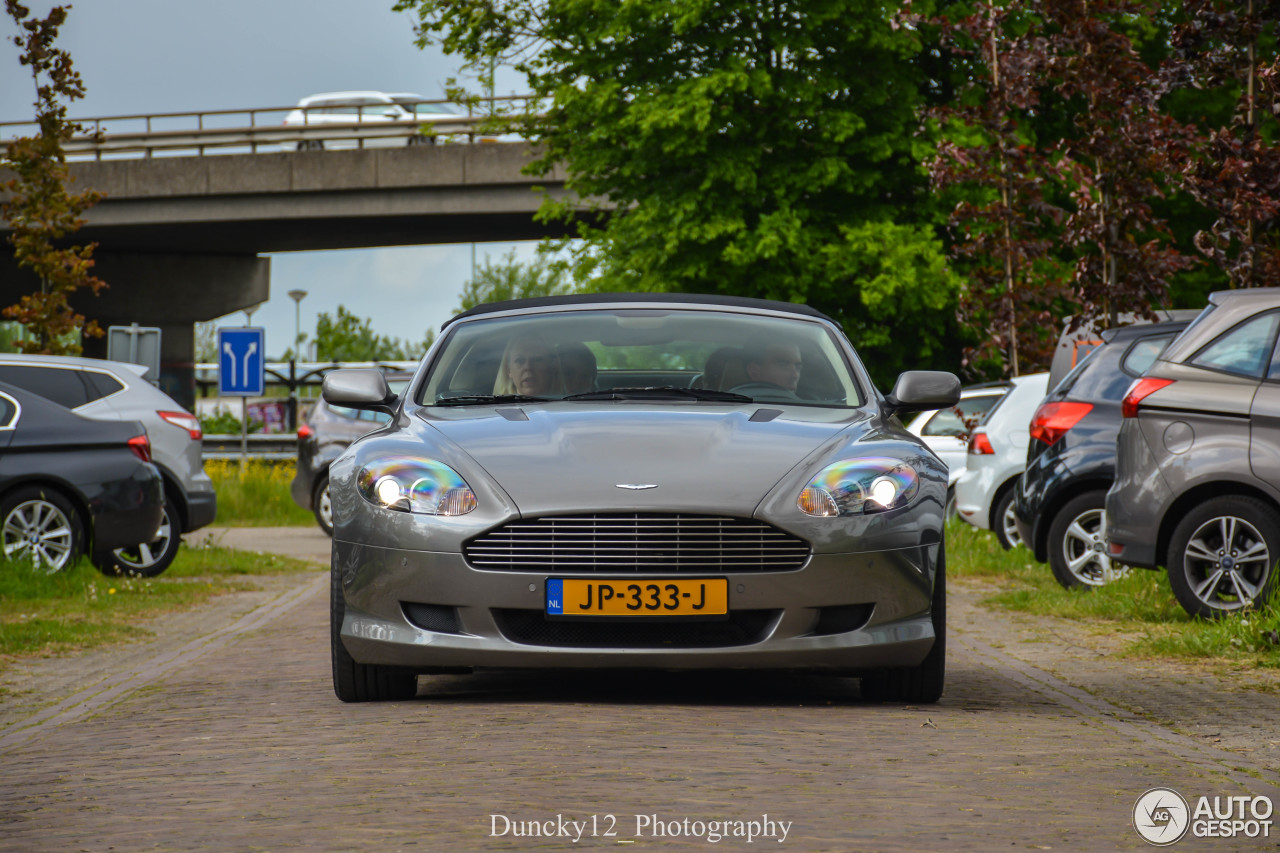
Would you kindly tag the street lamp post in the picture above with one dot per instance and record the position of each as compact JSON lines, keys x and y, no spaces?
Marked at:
{"x":297,"y":296}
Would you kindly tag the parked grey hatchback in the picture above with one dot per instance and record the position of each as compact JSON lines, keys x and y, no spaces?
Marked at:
{"x":1197,"y":486}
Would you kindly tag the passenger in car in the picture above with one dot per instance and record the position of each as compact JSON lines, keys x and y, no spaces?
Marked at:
{"x":530,"y":367}
{"x":577,"y":367}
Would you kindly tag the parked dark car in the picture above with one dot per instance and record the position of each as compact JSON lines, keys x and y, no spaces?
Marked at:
{"x":71,"y":485}
{"x":118,"y":391}
{"x":1197,"y":486}
{"x":1071,"y":461}
{"x":327,"y":432}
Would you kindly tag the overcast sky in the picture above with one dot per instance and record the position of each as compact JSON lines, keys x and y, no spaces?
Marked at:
{"x":152,"y":56}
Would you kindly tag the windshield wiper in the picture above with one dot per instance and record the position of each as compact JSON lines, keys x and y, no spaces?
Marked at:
{"x":487,"y":399}
{"x":660,"y":392}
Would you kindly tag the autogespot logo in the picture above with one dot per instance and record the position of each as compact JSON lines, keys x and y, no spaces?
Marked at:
{"x":1161,"y":816}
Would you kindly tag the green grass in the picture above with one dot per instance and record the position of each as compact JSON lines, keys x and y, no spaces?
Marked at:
{"x":79,"y":608}
{"x":1141,"y":604}
{"x":258,"y":498}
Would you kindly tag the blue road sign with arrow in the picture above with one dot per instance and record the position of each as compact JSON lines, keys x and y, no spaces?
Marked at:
{"x":242,"y":365}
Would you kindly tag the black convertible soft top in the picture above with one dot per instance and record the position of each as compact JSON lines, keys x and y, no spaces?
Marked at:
{"x":606,"y":298}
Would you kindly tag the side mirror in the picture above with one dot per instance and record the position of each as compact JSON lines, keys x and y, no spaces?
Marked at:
{"x":921,"y":390}
{"x":358,"y":389}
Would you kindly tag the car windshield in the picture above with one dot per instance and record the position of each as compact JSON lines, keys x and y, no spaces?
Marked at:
{"x":417,"y":106}
{"x":648,"y":354}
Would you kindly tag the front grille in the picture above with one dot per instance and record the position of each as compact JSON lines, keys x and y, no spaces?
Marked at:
{"x":637,"y":542}
{"x":532,"y":628}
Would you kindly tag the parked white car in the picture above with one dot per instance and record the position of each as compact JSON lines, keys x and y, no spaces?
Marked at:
{"x":997,"y":456}
{"x":946,"y":431}
{"x":115,"y":390}
{"x":365,"y":107}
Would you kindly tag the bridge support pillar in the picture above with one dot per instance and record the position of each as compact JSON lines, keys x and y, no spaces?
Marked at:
{"x":171,"y":291}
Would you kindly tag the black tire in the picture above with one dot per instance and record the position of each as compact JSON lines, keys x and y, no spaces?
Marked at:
{"x":357,"y":682}
{"x":148,"y":559}
{"x":1222,"y":556}
{"x":924,"y":683}
{"x":1002,"y":521}
{"x":311,"y":145}
{"x":1078,"y":544}
{"x":41,"y":524}
{"x":420,"y":139}
{"x":321,"y":506}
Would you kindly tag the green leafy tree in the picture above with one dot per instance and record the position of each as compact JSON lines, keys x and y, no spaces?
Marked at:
{"x":41,"y":211}
{"x":744,"y":148}
{"x":346,"y":337}
{"x":512,"y":279}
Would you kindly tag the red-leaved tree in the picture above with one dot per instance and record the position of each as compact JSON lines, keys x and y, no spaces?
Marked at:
{"x":40,"y":210}
{"x":1004,"y":225}
{"x":1235,"y":171}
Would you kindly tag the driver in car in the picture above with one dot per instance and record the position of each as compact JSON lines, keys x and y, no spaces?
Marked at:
{"x":773,"y":371}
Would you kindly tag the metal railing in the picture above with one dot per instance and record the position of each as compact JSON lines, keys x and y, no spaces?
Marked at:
{"x":282,"y":446}
{"x":271,"y":129}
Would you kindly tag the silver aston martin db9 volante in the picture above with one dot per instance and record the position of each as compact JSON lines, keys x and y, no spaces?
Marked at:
{"x":639,"y":481}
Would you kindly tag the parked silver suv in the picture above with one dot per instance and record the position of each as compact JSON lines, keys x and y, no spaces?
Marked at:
{"x":1197,"y":486}
{"x":115,"y":390}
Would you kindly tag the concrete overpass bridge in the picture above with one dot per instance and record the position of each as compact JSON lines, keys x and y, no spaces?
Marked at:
{"x":181,"y":238}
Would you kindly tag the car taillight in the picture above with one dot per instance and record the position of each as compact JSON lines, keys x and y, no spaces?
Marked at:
{"x":188,"y":422}
{"x":980,"y":445}
{"x":305,"y":432}
{"x":1139,"y":391}
{"x":141,"y":447}
{"x":1053,"y":420}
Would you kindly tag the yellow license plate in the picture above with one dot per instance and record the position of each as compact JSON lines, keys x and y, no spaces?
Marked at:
{"x":638,"y":597}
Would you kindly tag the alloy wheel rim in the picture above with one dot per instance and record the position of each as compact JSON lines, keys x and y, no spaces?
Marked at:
{"x":1010,"y":525}
{"x":1226,"y":563}
{"x":145,"y":555}
{"x":39,"y":531}
{"x":326,"y":506}
{"x":1084,"y":549}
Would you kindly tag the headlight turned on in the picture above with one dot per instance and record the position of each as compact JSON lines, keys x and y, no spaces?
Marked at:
{"x":858,"y":487}
{"x":408,"y":484}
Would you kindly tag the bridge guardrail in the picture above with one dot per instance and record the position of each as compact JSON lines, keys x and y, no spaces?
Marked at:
{"x":251,"y":129}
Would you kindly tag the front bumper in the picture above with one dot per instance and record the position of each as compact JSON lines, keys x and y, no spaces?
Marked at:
{"x":793,"y":618}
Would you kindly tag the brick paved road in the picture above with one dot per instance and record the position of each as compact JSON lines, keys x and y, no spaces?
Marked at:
{"x":234,"y":741}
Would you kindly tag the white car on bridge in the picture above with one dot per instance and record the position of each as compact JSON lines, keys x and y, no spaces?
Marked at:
{"x":335,"y":112}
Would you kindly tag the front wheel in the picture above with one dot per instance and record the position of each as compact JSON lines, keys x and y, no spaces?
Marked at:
{"x":1222,"y":556}
{"x":322,"y":506}
{"x":358,"y":682}
{"x":1004,"y":522}
{"x":1078,"y":544}
{"x":922,"y":683}
{"x":148,"y":559}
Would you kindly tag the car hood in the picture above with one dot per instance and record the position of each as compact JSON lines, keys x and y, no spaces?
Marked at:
{"x":704,"y":459}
